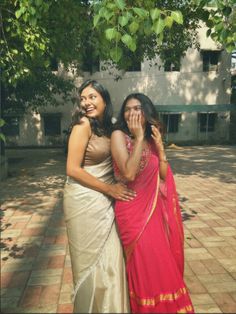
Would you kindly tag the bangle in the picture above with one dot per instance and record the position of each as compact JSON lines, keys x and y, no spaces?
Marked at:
{"x":161,"y":160}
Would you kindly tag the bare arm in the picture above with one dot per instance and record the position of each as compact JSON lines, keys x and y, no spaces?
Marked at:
{"x":128,"y":164}
{"x":161,"y":152}
{"x":76,"y":149}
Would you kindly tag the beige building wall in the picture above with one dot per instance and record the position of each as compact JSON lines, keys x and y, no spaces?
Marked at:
{"x":190,"y":86}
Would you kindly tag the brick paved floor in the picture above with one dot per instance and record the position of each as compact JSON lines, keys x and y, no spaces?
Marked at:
{"x":35,"y":264}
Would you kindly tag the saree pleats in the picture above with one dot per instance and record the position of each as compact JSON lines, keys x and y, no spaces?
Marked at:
{"x":151,"y":231}
{"x":95,"y":249}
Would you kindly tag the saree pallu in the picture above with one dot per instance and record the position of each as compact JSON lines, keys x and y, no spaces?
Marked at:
{"x":151,"y":231}
{"x":96,"y":254}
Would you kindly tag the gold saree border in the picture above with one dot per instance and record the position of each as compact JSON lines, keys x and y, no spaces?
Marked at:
{"x":163,"y":297}
{"x":186,"y":309}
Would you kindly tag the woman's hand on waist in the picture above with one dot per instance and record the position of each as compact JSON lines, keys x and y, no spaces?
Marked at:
{"x":119,"y":191}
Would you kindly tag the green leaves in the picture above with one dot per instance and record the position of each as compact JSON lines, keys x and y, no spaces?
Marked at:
{"x":155,"y":13}
{"x":123,"y":20}
{"x":133,"y":27}
{"x":177,"y":17}
{"x":120,"y":4}
{"x":158,"y":26}
{"x":141,"y":12}
{"x":110,"y":33}
{"x":116,"y":54}
{"x":169,"y":21}
{"x":38,"y":2}
{"x":2,"y":136}
{"x":124,"y":25}
{"x":113,"y":29}
{"x":221,"y":21}
{"x":2,"y":123}
{"x":129,"y":42}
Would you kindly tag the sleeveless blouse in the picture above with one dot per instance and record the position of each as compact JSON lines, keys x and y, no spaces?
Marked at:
{"x":98,"y":149}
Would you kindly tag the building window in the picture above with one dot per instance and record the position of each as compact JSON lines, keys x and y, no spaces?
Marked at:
{"x":132,"y":62}
{"x":171,"y":122}
{"x":54,"y":64}
{"x":52,"y":124}
{"x":210,"y":60}
{"x":171,"y":61}
{"x":91,"y":65}
{"x":134,"y":66}
{"x":171,"y":67}
{"x":12,"y":126}
{"x":207,"y":122}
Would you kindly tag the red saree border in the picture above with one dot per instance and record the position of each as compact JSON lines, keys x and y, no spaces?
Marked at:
{"x":129,"y":249}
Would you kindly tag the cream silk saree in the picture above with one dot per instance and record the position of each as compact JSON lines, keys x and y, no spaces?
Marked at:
{"x":96,"y":253}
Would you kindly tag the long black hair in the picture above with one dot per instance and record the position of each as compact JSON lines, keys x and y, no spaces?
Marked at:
{"x":149,"y":111}
{"x":99,"y":128}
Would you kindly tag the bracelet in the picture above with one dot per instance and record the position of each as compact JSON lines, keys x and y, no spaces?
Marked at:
{"x":161,"y":160}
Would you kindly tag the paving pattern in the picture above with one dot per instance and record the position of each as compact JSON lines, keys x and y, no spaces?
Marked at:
{"x":35,"y":264}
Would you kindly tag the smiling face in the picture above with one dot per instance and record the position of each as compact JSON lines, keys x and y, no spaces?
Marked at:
{"x":133,"y":107}
{"x":92,"y":103}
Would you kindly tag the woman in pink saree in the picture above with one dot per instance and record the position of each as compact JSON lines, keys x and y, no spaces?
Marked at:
{"x":150,"y":225}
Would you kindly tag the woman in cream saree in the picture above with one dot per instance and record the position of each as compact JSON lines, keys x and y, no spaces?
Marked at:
{"x":96,"y":254}
{"x":95,"y":249}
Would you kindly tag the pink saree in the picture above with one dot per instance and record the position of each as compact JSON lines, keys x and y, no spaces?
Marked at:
{"x":151,"y":232}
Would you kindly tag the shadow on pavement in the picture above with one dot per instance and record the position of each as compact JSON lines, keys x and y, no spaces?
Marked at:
{"x":207,"y":162}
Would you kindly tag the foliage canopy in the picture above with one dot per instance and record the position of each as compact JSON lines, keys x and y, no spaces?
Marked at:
{"x":38,"y":35}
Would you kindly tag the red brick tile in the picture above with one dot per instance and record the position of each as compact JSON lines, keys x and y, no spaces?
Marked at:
{"x":194,"y":243}
{"x":19,"y":213}
{"x":194,"y":285}
{"x":41,"y":263}
{"x":61,"y":239}
{"x":65,"y":308}
{"x":223,"y":223}
{"x":67,"y":276}
{"x":222,"y":298}
{"x":56,"y":262}
{"x":36,"y":218}
{"x":212,"y":223}
{"x":17,"y":279}
{"x":198,"y":267}
{"x":32,"y":251}
{"x":50,"y":294}
{"x":209,"y":232}
{"x":20,"y":225}
{"x":33,"y":231}
{"x":6,"y":279}
{"x":49,"y":240}
{"x":228,"y":307}
{"x":214,"y":266}
{"x":31,"y":296}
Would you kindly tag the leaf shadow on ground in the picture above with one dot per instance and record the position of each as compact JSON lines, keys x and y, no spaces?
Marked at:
{"x":28,"y":261}
{"x":34,"y":183}
{"x":217,"y":162}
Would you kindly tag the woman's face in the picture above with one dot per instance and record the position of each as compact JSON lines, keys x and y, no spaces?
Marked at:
{"x":92,"y":103}
{"x":133,"y":107}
